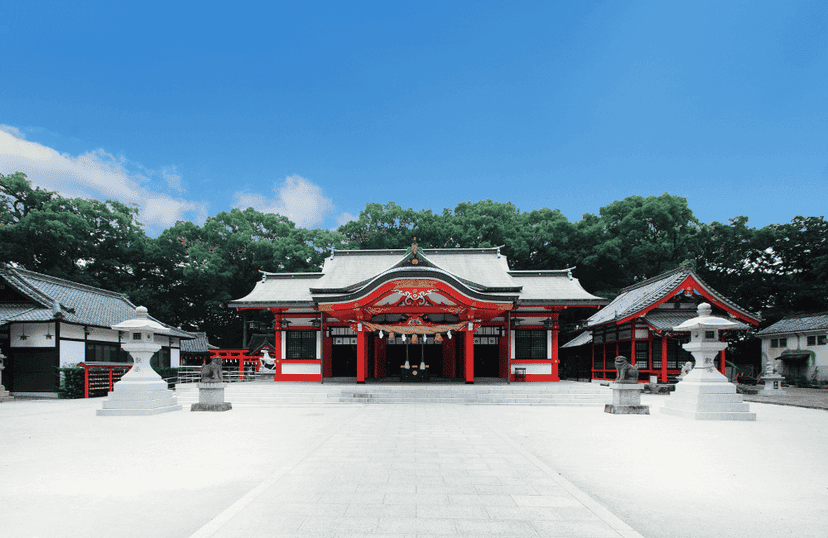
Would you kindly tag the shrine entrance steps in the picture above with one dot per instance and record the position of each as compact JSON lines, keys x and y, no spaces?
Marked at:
{"x":564,"y":393}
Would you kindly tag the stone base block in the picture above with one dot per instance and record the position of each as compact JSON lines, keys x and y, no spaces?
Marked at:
{"x":707,"y":395}
{"x":627,"y":409}
{"x":5,"y":396}
{"x":224,"y":406}
{"x":139,"y":399}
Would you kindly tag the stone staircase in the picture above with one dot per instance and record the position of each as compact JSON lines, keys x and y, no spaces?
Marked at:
{"x":303,"y":394}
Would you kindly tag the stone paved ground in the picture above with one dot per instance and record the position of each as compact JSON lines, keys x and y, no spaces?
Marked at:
{"x":408,"y":470}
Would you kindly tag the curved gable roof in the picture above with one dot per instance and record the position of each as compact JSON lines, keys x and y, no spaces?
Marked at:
{"x":641,"y":297}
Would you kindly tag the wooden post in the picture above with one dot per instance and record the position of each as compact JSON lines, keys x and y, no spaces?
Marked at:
{"x":469,"y":349}
{"x":85,"y":381}
{"x":664,"y":359}
{"x":110,"y":378}
{"x":361,"y":358}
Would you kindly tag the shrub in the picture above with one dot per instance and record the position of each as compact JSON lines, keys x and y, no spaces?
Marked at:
{"x":72,"y":383}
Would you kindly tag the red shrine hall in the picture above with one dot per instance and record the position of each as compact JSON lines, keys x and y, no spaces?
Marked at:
{"x":417,"y":314}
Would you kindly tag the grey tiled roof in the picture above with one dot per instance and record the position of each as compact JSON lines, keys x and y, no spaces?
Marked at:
{"x":667,"y":319}
{"x":645,"y":294}
{"x":56,"y":298}
{"x":804,"y":323}
{"x":199,"y":344}
{"x":483,"y":270}
{"x":580,"y":340}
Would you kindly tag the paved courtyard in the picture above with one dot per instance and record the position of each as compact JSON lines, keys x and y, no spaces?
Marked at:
{"x":409,"y":470}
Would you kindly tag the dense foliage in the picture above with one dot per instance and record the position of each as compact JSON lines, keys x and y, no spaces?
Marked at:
{"x":188,"y":273}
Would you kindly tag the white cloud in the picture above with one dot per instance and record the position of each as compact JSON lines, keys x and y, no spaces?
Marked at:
{"x":345,"y":218}
{"x":100,"y":175}
{"x":296,"y":198}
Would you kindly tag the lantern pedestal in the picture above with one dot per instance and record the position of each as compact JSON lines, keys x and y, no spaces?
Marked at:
{"x":705,"y":394}
{"x":141,"y":391}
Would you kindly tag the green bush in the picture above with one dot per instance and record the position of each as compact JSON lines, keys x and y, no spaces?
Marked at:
{"x":72,"y":383}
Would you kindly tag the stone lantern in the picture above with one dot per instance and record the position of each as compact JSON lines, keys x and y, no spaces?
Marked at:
{"x":141,"y":391}
{"x":704,"y":393}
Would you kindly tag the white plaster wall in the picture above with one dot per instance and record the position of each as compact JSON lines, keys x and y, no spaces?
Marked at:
{"x":318,"y":344}
{"x":69,"y":330}
{"x":72,"y":352}
{"x":175,"y":358}
{"x":302,"y":368}
{"x":548,"y":345}
{"x":162,"y":339}
{"x":535,"y":369}
{"x":102,"y":335}
{"x":642,"y":333}
{"x":512,"y":344}
{"x":35,"y":335}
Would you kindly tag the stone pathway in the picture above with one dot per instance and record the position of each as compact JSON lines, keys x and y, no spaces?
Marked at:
{"x":415,"y":470}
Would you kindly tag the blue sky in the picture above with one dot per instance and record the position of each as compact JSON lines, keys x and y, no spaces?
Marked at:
{"x":313,"y":109}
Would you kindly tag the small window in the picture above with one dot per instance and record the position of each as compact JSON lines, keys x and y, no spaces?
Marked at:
{"x":530,"y":344}
{"x":774,"y":342}
{"x":710,"y":335}
{"x":783,"y":342}
{"x":821,"y":339}
{"x":301,"y":345}
{"x":812,"y":340}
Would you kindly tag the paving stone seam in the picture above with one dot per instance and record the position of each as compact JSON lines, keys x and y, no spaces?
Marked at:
{"x":594,"y":506}
{"x":215,"y":524}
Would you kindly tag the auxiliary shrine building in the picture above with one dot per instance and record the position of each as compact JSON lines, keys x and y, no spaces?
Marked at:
{"x":416,"y":314}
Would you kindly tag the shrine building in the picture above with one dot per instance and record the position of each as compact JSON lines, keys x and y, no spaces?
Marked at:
{"x":417,"y":314}
{"x":639,"y":322}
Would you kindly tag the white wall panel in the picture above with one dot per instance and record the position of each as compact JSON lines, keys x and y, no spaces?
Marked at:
{"x":302,"y":368}
{"x":72,"y":352}
{"x":535,"y":369}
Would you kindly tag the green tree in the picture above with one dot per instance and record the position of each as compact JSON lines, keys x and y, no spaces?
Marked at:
{"x":637,"y":238}
{"x":87,"y":241}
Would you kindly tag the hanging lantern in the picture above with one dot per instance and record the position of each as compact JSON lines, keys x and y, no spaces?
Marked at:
{"x":449,"y":335}
{"x":403,"y":338}
{"x":414,"y":339}
{"x":380,"y":335}
{"x":438,"y":338}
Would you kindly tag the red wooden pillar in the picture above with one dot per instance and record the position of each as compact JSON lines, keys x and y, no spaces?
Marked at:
{"x":362,"y":365}
{"x":85,"y":381}
{"x":277,"y":352}
{"x":111,"y":388}
{"x":469,"y":349}
{"x":663,"y":359}
{"x":722,"y":362}
{"x":553,"y":344}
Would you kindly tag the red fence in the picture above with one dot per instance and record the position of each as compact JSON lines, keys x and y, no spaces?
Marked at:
{"x":102,"y":376}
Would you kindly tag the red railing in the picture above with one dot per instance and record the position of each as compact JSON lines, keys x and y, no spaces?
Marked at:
{"x":102,"y":375}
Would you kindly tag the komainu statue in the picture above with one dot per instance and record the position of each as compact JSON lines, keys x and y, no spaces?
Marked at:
{"x":211,"y":371}
{"x":627,"y":373}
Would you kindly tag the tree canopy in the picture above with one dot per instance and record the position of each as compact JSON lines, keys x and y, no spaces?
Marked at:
{"x":188,"y":273}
